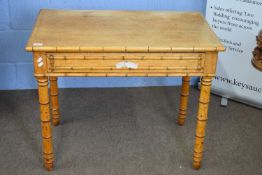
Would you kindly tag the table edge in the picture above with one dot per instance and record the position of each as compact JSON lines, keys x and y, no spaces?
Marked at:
{"x":147,"y":49}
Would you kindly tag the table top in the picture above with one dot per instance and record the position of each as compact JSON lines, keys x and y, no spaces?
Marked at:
{"x":122,"y":31}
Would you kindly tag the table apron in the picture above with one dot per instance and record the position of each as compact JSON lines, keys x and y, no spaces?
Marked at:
{"x":123,"y":64}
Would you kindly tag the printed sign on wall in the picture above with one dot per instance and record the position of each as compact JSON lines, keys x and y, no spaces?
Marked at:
{"x":237,"y":23}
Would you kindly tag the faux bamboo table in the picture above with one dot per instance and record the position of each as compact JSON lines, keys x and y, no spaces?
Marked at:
{"x":122,"y":44}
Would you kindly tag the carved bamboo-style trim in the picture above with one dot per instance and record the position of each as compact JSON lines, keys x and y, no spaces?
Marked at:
{"x":201,"y":120}
{"x":183,"y":100}
{"x":125,"y":57}
{"x":45,"y":122}
{"x":54,"y":101}
{"x":145,"y":49}
{"x":121,"y":74}
{"x":141,"y":69}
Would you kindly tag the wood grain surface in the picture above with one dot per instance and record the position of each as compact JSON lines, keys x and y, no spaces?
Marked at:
{"x":122,"y":31}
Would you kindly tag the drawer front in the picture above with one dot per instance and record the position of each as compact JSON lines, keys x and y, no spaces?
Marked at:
{"x":125,"y":63}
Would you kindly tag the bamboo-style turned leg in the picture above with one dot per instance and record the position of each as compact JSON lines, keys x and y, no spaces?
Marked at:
{"x":45,"y":122}
{"x":201,"y":120}
{"x":54,"y":101}
{"x":183,"y":100}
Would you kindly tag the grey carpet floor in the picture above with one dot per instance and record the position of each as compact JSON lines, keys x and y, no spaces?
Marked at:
{"x":128,"y":131}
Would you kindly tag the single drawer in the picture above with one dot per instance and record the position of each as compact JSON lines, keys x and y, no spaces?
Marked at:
{"x":125,"y":63}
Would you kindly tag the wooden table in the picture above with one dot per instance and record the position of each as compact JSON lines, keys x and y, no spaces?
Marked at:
{"x":122,"y":44}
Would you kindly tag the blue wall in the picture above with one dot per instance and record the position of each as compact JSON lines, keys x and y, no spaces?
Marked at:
{"x":17,"y":18}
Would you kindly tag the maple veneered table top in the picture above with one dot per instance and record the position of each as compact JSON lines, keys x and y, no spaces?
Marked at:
{"x":122,"y":31}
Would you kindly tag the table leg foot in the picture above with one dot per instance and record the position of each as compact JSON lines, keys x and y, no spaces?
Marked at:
{"x":55,"y":122}
{"x":183,"y":100}
{"x":180,"y":123}
{"x":54,"y":101}
{"x":201,"y":120}
{"x":196,"y":165}
{"x":49,"y":166}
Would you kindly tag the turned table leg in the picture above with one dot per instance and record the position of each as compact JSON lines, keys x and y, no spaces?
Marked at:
{"x":45,"y":122}
{"x":201,"y":120}
{"x":183,"y":100}
{"x":54,"y":101}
